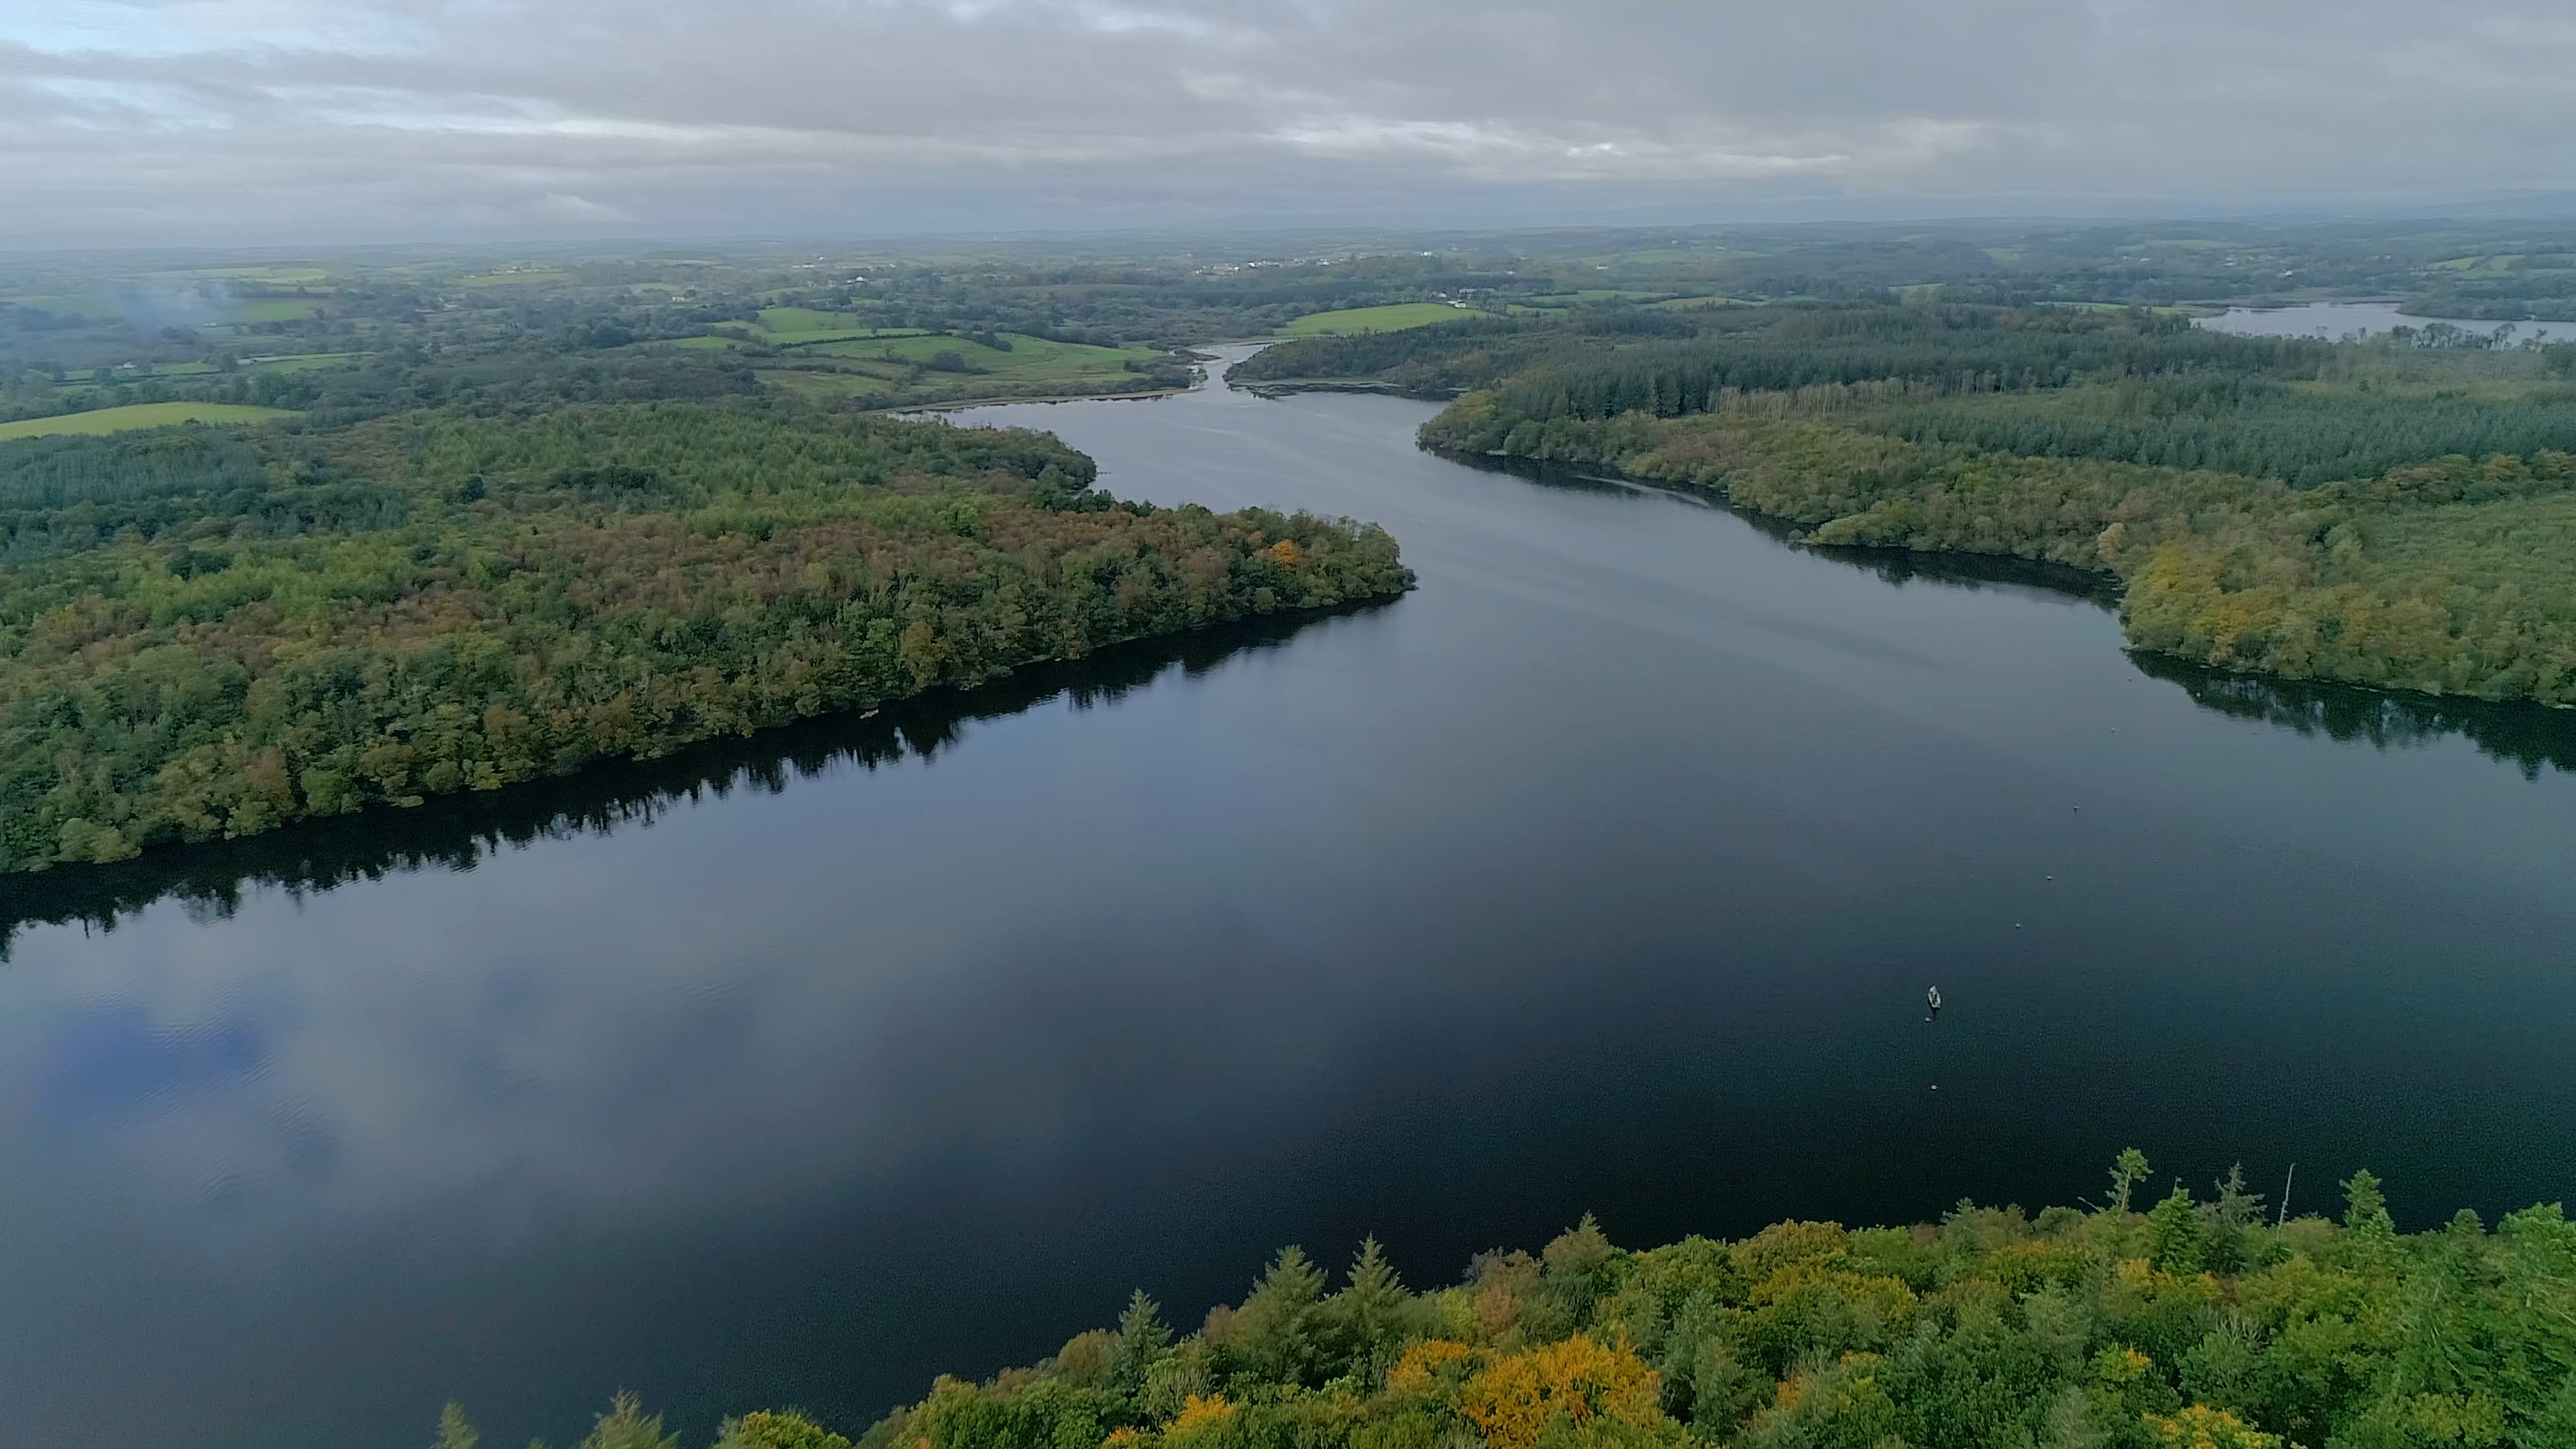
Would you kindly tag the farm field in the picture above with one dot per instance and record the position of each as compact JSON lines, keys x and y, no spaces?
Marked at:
{"x":858,"y":363}
{"x":133,"y":370}
{"x":300,"y":362}
{"x":529,"y":278}
{"x":1595,"y":294}
{"x":279,"y":309}
{"x":1395,"y":317}
{"x":790,"y":325}
{"x":64,"y":304}
{"x":139,"y":415}
{"x":825,"y":386}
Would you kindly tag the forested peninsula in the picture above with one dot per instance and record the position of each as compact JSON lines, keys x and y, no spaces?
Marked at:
{"x":2188,"y":1325}
{"x":2398,"y":512}
{"x":213,"y":632}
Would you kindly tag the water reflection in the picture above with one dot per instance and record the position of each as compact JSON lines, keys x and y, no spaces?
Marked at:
{"x":458,"y":832}
{"x":1894,"y":566}
{"x":2528,"y":736}
{"x":1595,"y":877}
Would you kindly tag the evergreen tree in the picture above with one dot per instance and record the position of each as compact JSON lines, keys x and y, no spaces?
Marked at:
{"x":1278,"y":1327}
{"x":2174,"y":1239}
{"x":454,"y":1432}
{"x":1143,"y":1341}
{"x":1369,"y":1312}
{"x":2126,"y":1171}
{"x":2365,"y":1207}
{"x":2232,"y":1220}
{"x":627,"y":1426}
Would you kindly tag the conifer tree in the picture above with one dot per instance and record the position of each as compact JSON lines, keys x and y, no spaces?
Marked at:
{"x":1143,"y":1340}
{"x":2126,"y":1170}
{"x":2174,"y":1239}
{"x":1278,"y":1323}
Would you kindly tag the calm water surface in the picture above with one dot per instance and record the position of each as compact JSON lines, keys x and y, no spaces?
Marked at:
{"x":2332,"y":320}
{"x":1606,"y":871}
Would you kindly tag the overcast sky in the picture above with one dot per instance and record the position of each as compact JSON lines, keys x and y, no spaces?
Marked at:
{"x":220,"y":121}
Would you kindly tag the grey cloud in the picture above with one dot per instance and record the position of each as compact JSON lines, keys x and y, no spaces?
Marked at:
{"x":277,"y":120}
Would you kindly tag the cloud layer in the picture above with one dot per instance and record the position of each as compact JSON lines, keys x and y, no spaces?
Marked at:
{"x":180,"y":121}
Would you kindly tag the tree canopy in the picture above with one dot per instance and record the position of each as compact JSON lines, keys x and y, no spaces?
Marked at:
{"x":210,"y":636}
{"x":2384,"y":513}
{"x":2194,"y":1324}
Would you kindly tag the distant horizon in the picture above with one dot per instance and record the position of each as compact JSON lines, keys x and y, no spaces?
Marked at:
{"x":2537,"y":207}
{"x":190,"y":123}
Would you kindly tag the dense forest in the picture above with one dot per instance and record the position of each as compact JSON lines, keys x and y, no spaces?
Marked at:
{"x":209,"y":633}
{"x":463,"y":830}
{"x":2150,"y":1322}
{"x":365,"y":333}
{"x":533,"y":511}
{"x":2398,"y":512}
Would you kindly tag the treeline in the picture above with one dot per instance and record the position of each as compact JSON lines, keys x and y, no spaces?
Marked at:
{"x":1601,"y":374}
{"x":2188,"y":1325}
{"x":1164,"y":302}
{"x":2369,"y":514}
{"x":211,"y":635}
{"x":457,"y":832}
{"x":627,"y":1426}
{"x":1440,"y":360}
{"x":2301,"y":433}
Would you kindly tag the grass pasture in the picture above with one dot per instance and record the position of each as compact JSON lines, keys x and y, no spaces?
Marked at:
{"x":791,"y":324}
{"x":139,"y":415}
{"x":278,"y":309}
{"x":267,"y":276}
{"x":1395,"y":317}
{"x":1030,"y":359}
{"x":89,"y":308}
{"x":901,"y":361}
{"x":825,"y":386}
{"x":301,"y":362}
{"x":529,"y":278}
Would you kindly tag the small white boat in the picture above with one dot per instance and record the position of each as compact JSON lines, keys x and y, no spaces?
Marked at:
{"x":1934,"y":997}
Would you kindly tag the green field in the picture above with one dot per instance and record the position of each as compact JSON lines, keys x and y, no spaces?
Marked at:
{"x":800,"y":326}
{"x":269,"y":276}
{"x":2499,"y":265}
{"x":61,"y":304}
{"x":514,"y":279}
{"x":825,"y":386}
{"x":1394,"y":318}
{"x":1595,"y":294}
{"x":128,"y":372}
{"x":898,"y":361}
{"x":139,"y":415}
{"x":788,"y":321}
{"x":302,"y":362}
{"x":278,"y":309}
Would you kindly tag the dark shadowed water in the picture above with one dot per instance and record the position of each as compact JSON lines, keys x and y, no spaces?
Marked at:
{"x":1606,"y":871}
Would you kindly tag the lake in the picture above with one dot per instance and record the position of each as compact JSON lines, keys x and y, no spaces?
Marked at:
{"x":1606,"y":871}
{"x":2333,"y":320}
